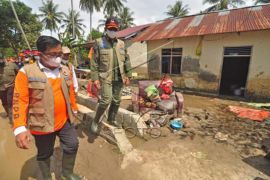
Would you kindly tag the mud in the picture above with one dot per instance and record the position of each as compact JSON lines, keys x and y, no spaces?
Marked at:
{"x":170,"y":156}
{"x":96,"y":159}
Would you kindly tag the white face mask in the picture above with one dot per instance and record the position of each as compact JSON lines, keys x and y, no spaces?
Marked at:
{"x":111,"y":34}
{"x":64,"y":61}
{"x":54,"y":62}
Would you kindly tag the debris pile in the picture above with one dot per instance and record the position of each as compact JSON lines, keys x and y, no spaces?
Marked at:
{"x":245,"y":135}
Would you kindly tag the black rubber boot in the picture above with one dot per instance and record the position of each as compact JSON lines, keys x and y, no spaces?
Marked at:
{"x":44,"y":167}
{"x":68,"y":163}
{"x":96,"y":121}
{"x":112,"y":116}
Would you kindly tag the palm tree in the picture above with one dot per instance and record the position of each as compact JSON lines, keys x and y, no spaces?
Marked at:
{"x":125,"y":17}
{"x":78,"y":25}
{"x":222,"y":4}
{"x":112,"y":6}
{"x":262,"y":1}
{"x":90,"y":6}
{"x":101,"y":22}
{"x":51,"y":17}
{"x":177,"y":10}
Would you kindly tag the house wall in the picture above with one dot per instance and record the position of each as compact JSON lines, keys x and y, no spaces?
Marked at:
{"x":138,"y":56}
{"x":203,"y":72}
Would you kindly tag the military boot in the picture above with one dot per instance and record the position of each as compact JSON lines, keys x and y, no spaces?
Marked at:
{"x":44,"y":167}
{"x":112,"y":116}
{"x":96,"y":121}
{"x":68,"y":163}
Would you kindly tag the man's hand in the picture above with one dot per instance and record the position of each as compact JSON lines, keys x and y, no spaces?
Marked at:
{"x":126,"y":81}
{"x":97,"y":84}
{"x":23,"y":140}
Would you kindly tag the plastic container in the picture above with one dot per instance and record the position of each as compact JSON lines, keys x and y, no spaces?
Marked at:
{"x":176,"y":124}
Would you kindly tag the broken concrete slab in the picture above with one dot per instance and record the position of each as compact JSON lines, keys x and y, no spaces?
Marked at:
{"x":127,"y":118}
{"x":122,"y":142}
{"x":116,"y":136}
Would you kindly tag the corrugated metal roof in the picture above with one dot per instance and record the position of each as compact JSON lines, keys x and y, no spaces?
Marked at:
{"x":129,"y":31}
{"x":235,"y":20}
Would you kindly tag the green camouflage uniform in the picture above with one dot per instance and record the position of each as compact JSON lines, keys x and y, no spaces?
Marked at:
{"x":110,"y":65}
{"x":7,"y":78}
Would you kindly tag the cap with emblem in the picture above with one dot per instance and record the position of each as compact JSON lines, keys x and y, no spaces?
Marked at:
{"x":112,"y":23}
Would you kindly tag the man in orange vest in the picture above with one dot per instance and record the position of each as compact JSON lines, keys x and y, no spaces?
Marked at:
{"x":44,"y":102}
{"x":65,"y":61}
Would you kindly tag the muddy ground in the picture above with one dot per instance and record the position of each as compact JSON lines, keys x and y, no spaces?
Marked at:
{"x":192,"y":154}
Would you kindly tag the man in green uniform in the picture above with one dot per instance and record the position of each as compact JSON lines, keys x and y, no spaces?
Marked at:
{"x":8,"y":71}
{"x":110,"y":70}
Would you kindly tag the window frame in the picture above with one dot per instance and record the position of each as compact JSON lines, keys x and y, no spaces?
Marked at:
{"x":171,"y":59}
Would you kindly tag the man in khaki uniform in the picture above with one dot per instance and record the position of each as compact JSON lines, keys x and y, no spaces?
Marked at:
{"x":110,"y":70}
{"x":8,"y":73}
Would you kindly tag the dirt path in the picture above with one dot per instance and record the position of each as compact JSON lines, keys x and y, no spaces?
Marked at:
{"x":14,"y":163}
{"x":169,"y":157}
{"x":97,"y":159}
{"x":201,"y":158}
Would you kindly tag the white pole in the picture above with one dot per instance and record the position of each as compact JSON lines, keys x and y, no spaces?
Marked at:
{"x":72,"y":14}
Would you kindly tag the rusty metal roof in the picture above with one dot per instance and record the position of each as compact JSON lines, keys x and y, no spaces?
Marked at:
{"x":236,"y":20}
{"x":131,"y":30}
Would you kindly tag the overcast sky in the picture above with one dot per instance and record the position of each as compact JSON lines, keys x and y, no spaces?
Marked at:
{"x":145,"y":11}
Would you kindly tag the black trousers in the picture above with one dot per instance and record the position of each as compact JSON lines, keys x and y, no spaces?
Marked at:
{"x":68,"y":140}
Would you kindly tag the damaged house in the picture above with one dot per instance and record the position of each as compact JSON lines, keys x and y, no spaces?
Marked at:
{"x":225,"y":52}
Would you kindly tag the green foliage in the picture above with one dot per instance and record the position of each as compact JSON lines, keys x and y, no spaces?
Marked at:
{"x":51,"y":18}
{"x":125,"y":18}
{"x":78,"y":25}
{"x":101,"y":22}
{"x":262,"y":1}
{"x":7,"y":52}
{"x":111,"y":7}
{"x":177,"y":10}
{"x":90,"y":5}
{"x":95,"y":34}
{"x":83,"y":55}
{"x":10,"y":34}
{"x":71,"y":43}
{"x":222,"y":4}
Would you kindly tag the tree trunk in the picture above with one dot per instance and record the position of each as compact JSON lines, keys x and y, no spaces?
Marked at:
{"x":91,"y":14}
